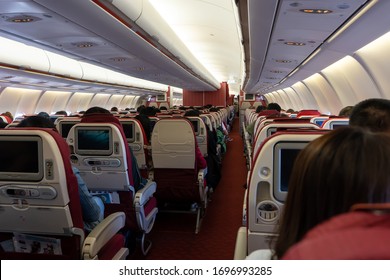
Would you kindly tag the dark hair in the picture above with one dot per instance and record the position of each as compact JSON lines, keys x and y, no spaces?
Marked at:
{"x":373,"y":114}
{"x":36,"y":121}
{"x":260,"y":108}
{"x":44,"y":114}
{"x":96,"y":110}
{"x":114,"y":109}
{"x":192,"y":113}
{"x":163,"y":108}
{"x":62,"y":112}
{"x":149,"y":111}
{"x":343,"y":167}
{"x":346,"y":111}
{"x":274,"y":106}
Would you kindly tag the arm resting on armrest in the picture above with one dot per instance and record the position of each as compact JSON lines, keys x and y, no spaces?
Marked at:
{"x":102,"y":233}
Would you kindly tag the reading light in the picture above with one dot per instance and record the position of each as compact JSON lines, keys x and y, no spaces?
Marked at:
{"x":84,"y":45}
{"x":118,"y":59}
{"x":316,"y":11}
{"x":283,"y":60}
{"x":23,"y":19}
{"x":291,"y":43}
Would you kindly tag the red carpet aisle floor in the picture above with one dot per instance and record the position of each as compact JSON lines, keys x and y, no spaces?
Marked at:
{"x":173,"y":235}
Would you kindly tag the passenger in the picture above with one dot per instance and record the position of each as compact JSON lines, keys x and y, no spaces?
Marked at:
{"x":44,"y":114}
{"x":139,"y":181}
{"x":92,"y":207}
{"x":251,"y":127}
{"x":373,"y":114}
{"x":274,"y":106}
{"x":200,"y":161}
{"x":114,"y":110}
{"x":323,"y":186}
{"x":96,"y":110}
{"x":62,"y":112}
{"x":330,"y":175}
{"x":145,"y":122}
{"x":346,"y":111}
{"x":8,"y":116}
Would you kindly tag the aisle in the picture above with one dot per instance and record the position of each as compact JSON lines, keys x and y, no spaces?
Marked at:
{"x":173,"y":235}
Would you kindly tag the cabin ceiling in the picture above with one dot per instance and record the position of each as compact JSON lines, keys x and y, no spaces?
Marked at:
{"x":276,"y":38}
{"x":281,"y":35}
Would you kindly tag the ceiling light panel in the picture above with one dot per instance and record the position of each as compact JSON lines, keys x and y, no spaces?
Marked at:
{"x":297,"y":34}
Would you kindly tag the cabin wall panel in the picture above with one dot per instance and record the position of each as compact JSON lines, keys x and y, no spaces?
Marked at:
{"x":129,"y":101}
{"x":28,"y":101}
{"x":298,"y":103}
{"x":350,"y":81}
{"x":100,"y":100}
{"x":61,"y":101}
{"x":19,"y":101}
{"x":291,"y":97}
{"x":79,"y":101}
{"x":286,"y":102}
{"x":115,"y":101}
{"x":326,"y":97}
{"x":52,"y":101}
{"x":375,"y":59}
{"x":310,"y":102}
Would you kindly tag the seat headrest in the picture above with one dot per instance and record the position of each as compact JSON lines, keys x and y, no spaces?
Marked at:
{"x":100,"y":118}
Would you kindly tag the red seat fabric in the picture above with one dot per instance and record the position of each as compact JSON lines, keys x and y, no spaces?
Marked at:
{"x":350,"y":236}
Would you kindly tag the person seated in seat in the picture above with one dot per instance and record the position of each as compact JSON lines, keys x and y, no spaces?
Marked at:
{"x":139,"y":181}
{"x":92,"y":207}
{"x":200,"y":160}
{"x":372,"y":114}
{"x":329,"y":176}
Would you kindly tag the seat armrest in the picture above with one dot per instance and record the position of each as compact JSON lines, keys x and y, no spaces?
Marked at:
{"x":240,"y":250}
{"x":101,"y":234}
{"x":143,"y":195}
{"x":202,"y":188}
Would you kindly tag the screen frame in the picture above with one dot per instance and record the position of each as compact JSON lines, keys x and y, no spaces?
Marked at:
{"x":25,"y":176}
{"x":66,"y":122}
{"x":253,"y":97}
{"x":278,"y":147}
{"x":85,"y":152}
{"x":161,"y":98}
{"x":123,"y":123}
{"x":338,"y":123}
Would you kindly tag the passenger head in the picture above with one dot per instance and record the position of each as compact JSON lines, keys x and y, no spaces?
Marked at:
{"x":346,"y":111}
{"x":141,"y":108}
{"x":343,"y":167}
{"x":192,"y":113}
{"x":114,"y":109}
{"x":260,"y":108}
{"x":290,"y":111}
{"x":36,"y":121}
{"x":44,"y":114}
{"x":9,"y":116}
{"x":149,"y":111}
{"x":274,"y":106}
{"x":373,"y":114}
{"x":62,"y":112}
{"x":96,"y":110}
